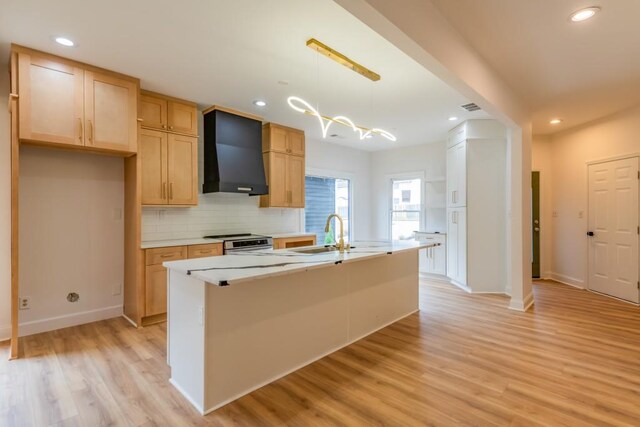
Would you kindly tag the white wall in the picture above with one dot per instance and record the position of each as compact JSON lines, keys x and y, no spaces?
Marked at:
{"x":5,"y":211}
{"x":568,"y":153}
{"x":71,"y":237}
{"x":355,"y":164}
{"x":429,"y":159}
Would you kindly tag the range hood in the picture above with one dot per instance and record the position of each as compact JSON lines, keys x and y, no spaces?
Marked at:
{"x":233,"y":154}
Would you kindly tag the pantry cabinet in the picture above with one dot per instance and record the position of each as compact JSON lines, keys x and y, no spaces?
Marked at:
{"x":284,"y":163}
{"x":476,"y":206}
{"x":61,"y":102}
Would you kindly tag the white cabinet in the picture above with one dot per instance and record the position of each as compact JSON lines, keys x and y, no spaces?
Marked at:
{"x":457,"y":175}
{"x":457,"y":245}
{"x":433,"y":261}
{"x":476,"y":206}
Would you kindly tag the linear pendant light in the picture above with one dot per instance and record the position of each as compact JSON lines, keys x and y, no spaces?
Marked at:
{"x":342,"y":59}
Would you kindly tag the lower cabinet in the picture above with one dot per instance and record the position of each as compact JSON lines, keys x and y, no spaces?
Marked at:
{"x":433,"y":260}
{"x":293,"y":242}
{"x":155,"y":276}
{"x":457,"y":245}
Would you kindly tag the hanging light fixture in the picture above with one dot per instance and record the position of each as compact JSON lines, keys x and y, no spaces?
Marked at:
{"x":303,"y":106}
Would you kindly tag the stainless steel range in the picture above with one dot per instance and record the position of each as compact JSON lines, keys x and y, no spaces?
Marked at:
{"x":243,"y":242}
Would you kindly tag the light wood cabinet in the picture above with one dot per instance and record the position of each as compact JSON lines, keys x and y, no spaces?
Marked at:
{"x":63,"y":102}
{"x":168,"y":114}
{"x":293,"y":242}
{"x":169,"y":161}
{"x":284,"y":162}
{"x":282,"y":139}
{"x":154,"y":286}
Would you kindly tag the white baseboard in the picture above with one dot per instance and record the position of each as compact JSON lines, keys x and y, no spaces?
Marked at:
{"x":567,"y":280}
{"x":524,"y":305}
{"x":434,"y":277}
{"x":461,"y":286}
{"x":59,"y":322}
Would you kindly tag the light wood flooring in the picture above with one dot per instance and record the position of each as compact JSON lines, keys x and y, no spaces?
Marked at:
{"x":463,"y":360}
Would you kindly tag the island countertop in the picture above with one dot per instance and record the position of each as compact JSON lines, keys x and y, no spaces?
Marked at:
{"x":244,"y":266}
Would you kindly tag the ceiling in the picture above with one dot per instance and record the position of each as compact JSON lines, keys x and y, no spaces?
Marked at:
{"x":575,"y":71}
{"x":231,"y":53}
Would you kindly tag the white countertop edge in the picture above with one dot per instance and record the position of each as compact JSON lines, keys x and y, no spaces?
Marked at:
{"x":430,"y":232}
{"x":197,"y":275}
{"x":285,"y":235}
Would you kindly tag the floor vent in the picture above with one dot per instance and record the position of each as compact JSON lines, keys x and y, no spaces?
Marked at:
{"x":471,"y":107}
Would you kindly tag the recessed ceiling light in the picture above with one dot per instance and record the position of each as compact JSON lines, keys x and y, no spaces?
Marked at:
{"x":453,"y":118}
{"x":64,"y":41}
{"x":259,"y":103}
{"x":584,"y":14}
{"x":555,"y":121}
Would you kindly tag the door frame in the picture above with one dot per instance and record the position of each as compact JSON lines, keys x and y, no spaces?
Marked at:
{"x":586,"y":172}
{"x":540,"y":215}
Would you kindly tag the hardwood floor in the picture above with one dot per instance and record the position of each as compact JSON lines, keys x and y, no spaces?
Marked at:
{"x":464,"y":359}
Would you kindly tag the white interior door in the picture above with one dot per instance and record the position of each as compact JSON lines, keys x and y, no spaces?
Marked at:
{"x":613,"y":220}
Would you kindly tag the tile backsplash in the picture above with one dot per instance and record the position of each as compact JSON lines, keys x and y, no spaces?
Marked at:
{"x":218,"y":213}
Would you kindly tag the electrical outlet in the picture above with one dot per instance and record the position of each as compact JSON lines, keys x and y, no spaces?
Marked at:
{"x":555,"y":214}
{"x":25,"y":303}
{"x":116,"y":214}
{"x":117,"y":289}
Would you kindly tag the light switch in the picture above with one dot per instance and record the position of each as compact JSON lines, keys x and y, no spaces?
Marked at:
{"x":580,"y":214}
{"x":555,"y":214}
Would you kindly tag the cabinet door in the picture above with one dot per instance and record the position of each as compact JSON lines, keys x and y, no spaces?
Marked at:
{"x":153,"y":112}
{"x":153,"y":164}
{"x":295,"y":181}
{"x":182,"y":118}
{"x":295,"y":143}
{"x":278,"y":139}
{"x":182,"y":170}
{"x":111,"y":111}
{"x":276,"y":168}
{"x":51,"y":101}
{"x":155,"y":295}
{"x":452,"y":245}
{"x":461,"y":219}
{"x":439,"y":264}
{"x":452,"y":175}
{"x":461,"y":171}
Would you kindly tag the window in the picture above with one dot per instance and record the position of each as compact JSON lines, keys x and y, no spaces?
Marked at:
{"x":406,"y":209}
{"x":324,"y":196}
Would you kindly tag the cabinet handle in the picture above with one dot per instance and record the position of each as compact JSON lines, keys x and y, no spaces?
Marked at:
{"x":80,"y":129}
{"x":289,"y":196}
{"x":170,"y":127}
{"x":166,"y":256}
{"x":90,"y":136}
{"x":164,"y":190}
{"x":171,"y":191}
{"x":164,"y":126}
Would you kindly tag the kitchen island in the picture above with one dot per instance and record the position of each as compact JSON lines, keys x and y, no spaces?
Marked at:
{"x":238,"y":322}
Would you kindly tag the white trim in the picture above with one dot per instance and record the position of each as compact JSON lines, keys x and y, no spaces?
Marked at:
{"x":523,"y":305}
{"x":613,"y":297}
{"x":567,"y":280}
{"x":406,"y":175}
{"x":300,"y":366}
{"x":67,"y":320}
{"x":613,"y":159}
{"x":189,"y":398}
{"x":461,"y":286}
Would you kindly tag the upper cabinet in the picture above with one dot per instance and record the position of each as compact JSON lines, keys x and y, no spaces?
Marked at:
{"x":284,"y":160}
{"x":168,"y":152}
{"x":72,"y":104}
{"x":168,"y":114}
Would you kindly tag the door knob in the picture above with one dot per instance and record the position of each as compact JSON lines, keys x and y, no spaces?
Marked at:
{"x":590,"y":233}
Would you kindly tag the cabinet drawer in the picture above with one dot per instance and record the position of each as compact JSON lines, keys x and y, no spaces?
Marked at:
{"x":160,"y":255}
{"x":201,"y":251}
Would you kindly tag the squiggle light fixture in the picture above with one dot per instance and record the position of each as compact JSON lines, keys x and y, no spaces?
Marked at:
{"x":326,"y":122}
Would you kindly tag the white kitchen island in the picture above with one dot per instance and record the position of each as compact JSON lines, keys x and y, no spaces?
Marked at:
{"x":238,"y":322}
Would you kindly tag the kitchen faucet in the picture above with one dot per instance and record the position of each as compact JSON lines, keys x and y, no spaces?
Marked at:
{"x":341,"y":246}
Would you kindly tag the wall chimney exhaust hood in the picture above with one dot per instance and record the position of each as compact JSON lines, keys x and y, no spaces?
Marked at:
{"x":233,"y":153}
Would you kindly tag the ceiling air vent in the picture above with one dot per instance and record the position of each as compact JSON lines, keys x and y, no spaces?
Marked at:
{"x":470,"y":107}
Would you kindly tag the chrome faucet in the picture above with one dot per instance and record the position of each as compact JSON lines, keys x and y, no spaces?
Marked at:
{"x":341,"y":246}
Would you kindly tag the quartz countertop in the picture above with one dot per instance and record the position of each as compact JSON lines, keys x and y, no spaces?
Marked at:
{"x":243,"y":266}
{"x":286,"y":235}
{"x":178,"y":242}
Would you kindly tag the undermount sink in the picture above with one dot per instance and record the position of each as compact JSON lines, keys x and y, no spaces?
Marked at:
{"x":316,"y":250}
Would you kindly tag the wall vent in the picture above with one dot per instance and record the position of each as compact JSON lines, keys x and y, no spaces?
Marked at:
{"x":470,"y":107}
